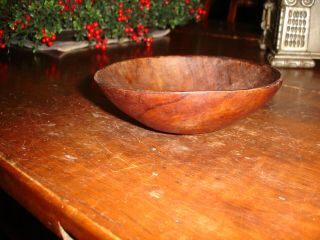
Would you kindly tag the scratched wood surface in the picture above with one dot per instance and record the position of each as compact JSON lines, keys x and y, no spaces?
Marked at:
{"x":76,"y":162}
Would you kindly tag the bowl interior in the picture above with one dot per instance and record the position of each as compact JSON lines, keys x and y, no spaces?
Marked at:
{"x":185,"y":74}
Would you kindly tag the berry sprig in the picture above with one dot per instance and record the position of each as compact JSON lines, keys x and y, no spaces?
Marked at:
{"x":200,"y":12}
{"x":139,"y":34}
{"x":69,"y":5}
{"x":128,"y":30}
{"x":142,"y":29}
{"x":135,"y":37}
{"x":117,"y":19}
{"x":145,"y":3}
{"x":22,"y":23}
{"x":121,"y":16}
{"x":94,"y":34}
{"x":132,"y":34}
{"x":47,"y":39}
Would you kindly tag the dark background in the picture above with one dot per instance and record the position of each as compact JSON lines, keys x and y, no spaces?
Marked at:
{"x":245,"y":14}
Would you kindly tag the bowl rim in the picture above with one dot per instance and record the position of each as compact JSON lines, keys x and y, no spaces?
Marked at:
{"x":278,"y":77}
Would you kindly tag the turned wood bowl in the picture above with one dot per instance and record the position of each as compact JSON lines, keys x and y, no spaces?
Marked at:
{"x":188,"y":94}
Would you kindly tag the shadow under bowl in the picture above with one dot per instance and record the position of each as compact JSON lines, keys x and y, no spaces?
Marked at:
{"x":188,"y":94}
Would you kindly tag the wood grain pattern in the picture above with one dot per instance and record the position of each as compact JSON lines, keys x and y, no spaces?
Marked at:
{"x":71,"y":158}
{"x":188,"y":94}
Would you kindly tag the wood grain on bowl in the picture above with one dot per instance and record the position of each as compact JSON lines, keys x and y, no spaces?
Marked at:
{"x":188,"y":94}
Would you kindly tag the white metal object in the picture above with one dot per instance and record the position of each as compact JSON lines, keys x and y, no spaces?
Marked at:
{"x":291,"y":31}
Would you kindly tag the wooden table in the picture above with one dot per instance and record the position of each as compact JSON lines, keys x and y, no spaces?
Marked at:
{"x":74,"y":161}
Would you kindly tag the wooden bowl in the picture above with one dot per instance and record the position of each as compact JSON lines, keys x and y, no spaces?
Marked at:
{"x":188,"y":94}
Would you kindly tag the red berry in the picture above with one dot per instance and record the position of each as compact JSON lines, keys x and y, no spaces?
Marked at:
{"x":43,"y":40}
{"x":22,"y":26}
{"x":49,"y":44}
{"x":95,"y":24}
{"x":3,"y":45}
{"x":104,"y":47}
{"x":66,"y":7}
{"x":28,"y":17}
{"x":97,"y":45}
{"x":200,"y":10}
{"x":53,"y":37}
{"x":127,"y":29}
{"x":89,"y":35}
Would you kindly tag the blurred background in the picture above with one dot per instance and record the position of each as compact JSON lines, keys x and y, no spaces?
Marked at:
{"x":248,"y":12}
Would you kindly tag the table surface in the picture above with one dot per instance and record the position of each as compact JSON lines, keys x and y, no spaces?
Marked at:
{"x":73,"y":160}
